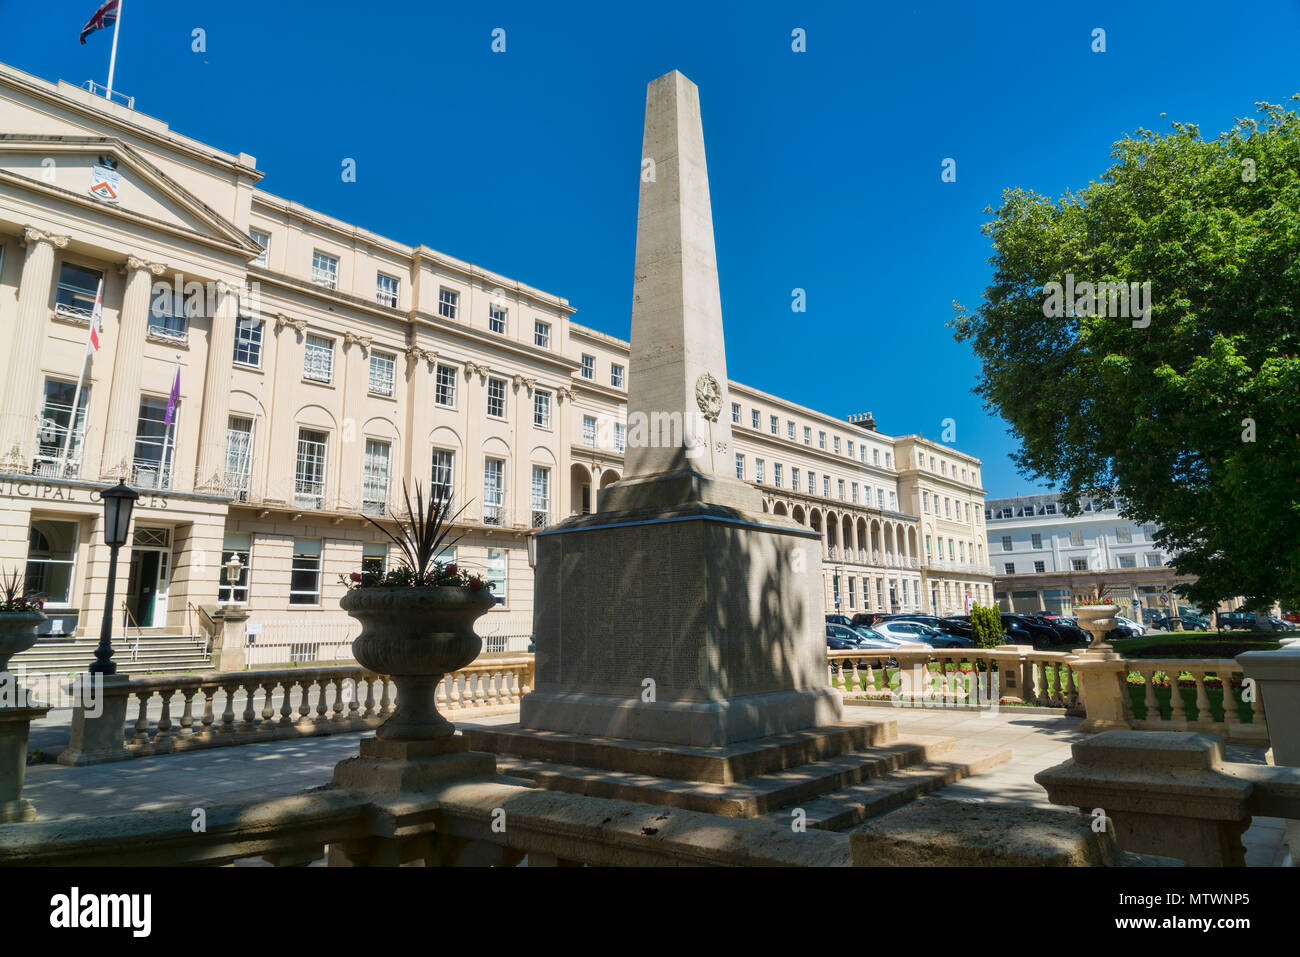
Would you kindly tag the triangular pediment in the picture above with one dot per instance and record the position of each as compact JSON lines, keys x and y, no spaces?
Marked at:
{"x":108,"y":174}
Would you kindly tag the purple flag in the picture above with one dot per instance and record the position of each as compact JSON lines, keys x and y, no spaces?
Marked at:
{"x":174,"y":398}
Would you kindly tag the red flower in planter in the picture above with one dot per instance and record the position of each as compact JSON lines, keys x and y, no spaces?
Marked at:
{"x":451,"y":569}
{"x":355,"y":576}
{"x":476,"y":584}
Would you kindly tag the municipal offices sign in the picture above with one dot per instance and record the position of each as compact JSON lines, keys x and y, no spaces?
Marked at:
{"x":58,"y":492}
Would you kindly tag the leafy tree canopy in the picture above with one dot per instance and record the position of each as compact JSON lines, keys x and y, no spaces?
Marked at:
{"x":1190,"y":413}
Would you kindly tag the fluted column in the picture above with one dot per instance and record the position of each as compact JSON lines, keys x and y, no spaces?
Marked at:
{"x":216,"y":390}
{"x":128,"y":360}
{"x":22,"y":385}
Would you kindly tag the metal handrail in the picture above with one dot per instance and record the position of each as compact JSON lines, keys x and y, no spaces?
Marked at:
{"x":139,"y":634}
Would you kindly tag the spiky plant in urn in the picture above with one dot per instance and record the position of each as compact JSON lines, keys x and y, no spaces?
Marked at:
{"x":417,"y":620}
{"x":20,"y":613}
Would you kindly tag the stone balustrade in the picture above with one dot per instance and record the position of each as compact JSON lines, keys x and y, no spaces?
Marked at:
{"x":216,"y":709}
{"x":920,"y":676}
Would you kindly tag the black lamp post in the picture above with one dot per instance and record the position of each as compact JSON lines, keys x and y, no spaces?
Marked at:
{"x":118,"y":502}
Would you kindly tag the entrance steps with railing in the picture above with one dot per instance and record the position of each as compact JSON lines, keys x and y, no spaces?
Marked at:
{"x":833,"y":778}
{"x":154,"y":650}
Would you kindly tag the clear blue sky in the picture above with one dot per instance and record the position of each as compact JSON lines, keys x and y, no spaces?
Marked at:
{"x":824,"y":165}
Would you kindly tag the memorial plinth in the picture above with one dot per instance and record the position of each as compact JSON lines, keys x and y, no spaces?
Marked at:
{"x":679,"y":612}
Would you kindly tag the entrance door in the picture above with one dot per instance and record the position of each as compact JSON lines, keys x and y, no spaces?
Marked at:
{"x":142,"y":586}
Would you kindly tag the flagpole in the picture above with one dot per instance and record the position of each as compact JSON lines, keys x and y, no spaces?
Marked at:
{"x":76,"y":395}
{"x":175,"y":409}
{"x":112,"y":57}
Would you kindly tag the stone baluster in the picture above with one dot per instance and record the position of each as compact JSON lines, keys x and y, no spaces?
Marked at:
{"x":1149,"y":700}
{"x":208,"y":716}
{"x":354,"y":704}
{"x":286,"y":706}
{"x":1203,"y":710}
{"x":322,"y":706}
{"x":336,"y":718}
{"x":304,"y":705}
{"x":870,"y":677}
{"x":142,"y":719}
{"x":228,"y":715}
{"x":385,"y":697}
{"x":856,"y":683}
{"x":1231,"y":717}
{"x":1072,"y":702}
{"x":510,"y":684}
{"x":163,"y":734}
{"x":187,"y":712}
{"x":1177,"y":708}
{"x":268,"y":706}
{"x":370,"y":697}
{"x":250,"y":712}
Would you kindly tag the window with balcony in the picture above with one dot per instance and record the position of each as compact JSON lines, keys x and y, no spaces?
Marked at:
{"x":53,"y":442}
{"x":239,"y":457}
{"x":496,"y":398}
{"x":78,"y":286}
{"x":386,"y":289}
{"x":541,"y":409}
{"x":381,"y":373}
{"x":324,"y":269}
{"x":374,"y":494}
{"x":541,"y":334}
{"x":494,"y":491}
{"x":262,"y":239}
{"x":309,"y":472}
{"x":541,"y":496}
{"x":248,"y":342}
{"x":440,"y":478}
{"x":588,"y":366}
{"x":444,"y":387}
{"x":154,"y":445}
{"x":304,"y":576}
{"x":589,"y":431}
{"x":448,"y":303}
{"x":318,"y":359}
{"x":168,"y":316}
{"x":496,"y":318}
{"x":616,"y":375}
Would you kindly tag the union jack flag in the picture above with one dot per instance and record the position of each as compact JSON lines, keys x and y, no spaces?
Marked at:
{"x":105,"y":16}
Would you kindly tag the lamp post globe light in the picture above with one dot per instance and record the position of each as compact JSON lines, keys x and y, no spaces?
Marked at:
{"x":234,"y":568}
{"x":118,"y":503}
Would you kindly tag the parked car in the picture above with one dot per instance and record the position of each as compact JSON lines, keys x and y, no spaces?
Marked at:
{"x":835,"y":619}
{"x":1232,"y":620}
{"x":844,"y":638}
{"x":1291,"y":616}
{"x":1066,"y":630}
{"x":868,"y":618}
{"x":1136,"y":627}
{"x":914,"y":631}
{"x":1023,"y":630}
{"x":1191,"y":621}
{"x":948,"y":626}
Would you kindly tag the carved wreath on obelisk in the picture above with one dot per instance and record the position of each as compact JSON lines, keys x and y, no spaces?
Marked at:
{"x":708,"y":394}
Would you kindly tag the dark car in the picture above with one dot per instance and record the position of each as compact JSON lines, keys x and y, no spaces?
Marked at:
{"x":916,"y":631}
{"x":948,"y":626}
{"x":844,"y":620}
{"x":1068,"y":632}
{"x":868,"y":618}
{"x":1022,"y":630}
{"x":1246,"y":620}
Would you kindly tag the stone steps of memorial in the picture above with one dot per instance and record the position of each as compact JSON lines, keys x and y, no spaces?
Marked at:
{"x":752,"y":797}
{"x":849,"y":807}
{"x":719,"y":765}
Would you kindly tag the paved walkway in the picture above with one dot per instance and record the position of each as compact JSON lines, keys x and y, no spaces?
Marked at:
{"x":258,"y":771}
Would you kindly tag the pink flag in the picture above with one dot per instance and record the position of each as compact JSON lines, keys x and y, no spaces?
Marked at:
{"x":175,"y":397}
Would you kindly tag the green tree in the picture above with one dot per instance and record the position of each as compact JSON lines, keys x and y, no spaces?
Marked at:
{"x":1188,"y":415}
{"x":986,"y":626}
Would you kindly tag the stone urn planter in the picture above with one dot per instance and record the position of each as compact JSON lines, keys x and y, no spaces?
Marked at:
{"x":17,"y":633}
{"x":1097,"y":620}
{"x":416,"y":636}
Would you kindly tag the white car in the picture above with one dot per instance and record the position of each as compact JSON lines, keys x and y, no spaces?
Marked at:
{"x":1135,"y":627}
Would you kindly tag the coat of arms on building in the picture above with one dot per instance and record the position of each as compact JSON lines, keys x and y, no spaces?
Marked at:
{"x":708,"y":394}
{"x":104,"y":183}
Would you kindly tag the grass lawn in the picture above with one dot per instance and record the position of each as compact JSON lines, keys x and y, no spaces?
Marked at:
{"x":1197,"y":644}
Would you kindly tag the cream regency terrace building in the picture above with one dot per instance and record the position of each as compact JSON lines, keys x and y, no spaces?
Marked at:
{"x":316,"y":367}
